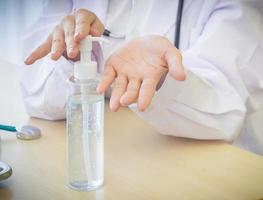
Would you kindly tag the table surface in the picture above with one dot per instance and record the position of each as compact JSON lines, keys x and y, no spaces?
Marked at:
{"x":139,"y":162}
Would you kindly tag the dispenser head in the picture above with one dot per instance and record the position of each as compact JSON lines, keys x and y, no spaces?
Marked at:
{"x":86,"y":68}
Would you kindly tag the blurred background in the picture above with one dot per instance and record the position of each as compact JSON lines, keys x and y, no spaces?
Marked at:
{"x":17,"y":15}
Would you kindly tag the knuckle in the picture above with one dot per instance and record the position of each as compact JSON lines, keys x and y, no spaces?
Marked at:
{"x":108,"y":73}
{"x":132,"y":88}
{"x":148,"y":92}
{"x":132,"y":91}
{"x":86,"y":12}
{"x":100,"y":28}
{"x":134,"y":84}
{"x":39,"y":47}
{"x":67,"y":18}
{"x":148,"y":86}
{"x":92,"y":15}
{"x":56,"y":41}
{"x":69,"y":33}
{"x":118,"y":86}
{"x":81,"y":10}
{"x":69,"y":43}
{"x":104,"y":82}
{"x":99,"y":24}
{"x":121,"y":78}
{"x":82,"y":22}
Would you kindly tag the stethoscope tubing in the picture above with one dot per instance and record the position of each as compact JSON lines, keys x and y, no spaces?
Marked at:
{"x":8,"y":128}
{"x":108,"y":33}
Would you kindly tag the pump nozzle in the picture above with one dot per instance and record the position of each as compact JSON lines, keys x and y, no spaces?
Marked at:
{"x":86,"y":47}
{"x":85,"y":68}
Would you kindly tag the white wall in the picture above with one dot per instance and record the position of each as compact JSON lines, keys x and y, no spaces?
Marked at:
{"x":15,"y":16}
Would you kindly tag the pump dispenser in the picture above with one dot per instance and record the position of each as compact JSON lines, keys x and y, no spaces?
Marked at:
{"x":86,"y":68}
{"x":85,"y":123}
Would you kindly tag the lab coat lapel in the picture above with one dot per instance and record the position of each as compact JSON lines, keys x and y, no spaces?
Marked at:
{"x":97,"y":6}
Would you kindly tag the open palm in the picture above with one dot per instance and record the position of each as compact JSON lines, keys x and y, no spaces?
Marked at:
{"x":137,"y":68}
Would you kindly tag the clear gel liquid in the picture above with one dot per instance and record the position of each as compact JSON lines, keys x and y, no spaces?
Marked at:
{"x":85,"y":141}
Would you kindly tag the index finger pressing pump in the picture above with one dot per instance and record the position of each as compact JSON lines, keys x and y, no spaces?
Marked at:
{"x":85,"y":123}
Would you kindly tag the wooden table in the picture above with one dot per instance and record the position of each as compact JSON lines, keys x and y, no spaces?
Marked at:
{"x":139,"y":162}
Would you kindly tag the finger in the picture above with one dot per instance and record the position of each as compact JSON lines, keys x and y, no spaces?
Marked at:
{"x":97,"y":28}
{"x":107,"y":79}
{"x":118,"y":90}
{"x":40,"y":52}
{"x":146,"y":93}
{"x":68,"y":24}
{"x":58,"y":43}
{"x":132,"y":93}
{"x":174,"y":61}
{"x":84,"y":19}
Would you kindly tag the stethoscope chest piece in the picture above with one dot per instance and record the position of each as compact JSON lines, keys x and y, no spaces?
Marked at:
{"x":28,"y":132}
{"x":5,"y":171}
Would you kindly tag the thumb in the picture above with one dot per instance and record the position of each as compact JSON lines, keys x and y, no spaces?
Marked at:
{"x":173,"y":59}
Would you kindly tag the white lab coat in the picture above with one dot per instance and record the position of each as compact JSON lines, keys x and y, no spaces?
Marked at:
{"x":222,"y":95}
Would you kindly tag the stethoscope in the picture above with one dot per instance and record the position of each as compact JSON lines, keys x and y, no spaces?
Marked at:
{"x":108,"y":33}
{"x":25,"y":132}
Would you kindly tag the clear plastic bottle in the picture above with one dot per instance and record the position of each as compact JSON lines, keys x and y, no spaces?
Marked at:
{"x":85,"y":114}
{"x":85,"y":125}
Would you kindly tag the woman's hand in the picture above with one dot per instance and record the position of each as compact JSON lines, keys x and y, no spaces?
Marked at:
{"x":67,"y":34}
{"x":137,"y":68}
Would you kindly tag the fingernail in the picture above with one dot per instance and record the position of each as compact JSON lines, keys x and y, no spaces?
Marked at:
{"x":123,"y":101}
{"x":113,"y":106}
{"x":69,"y":49}
{"x":141,"y":106}
{"x":53,"y":53}
{"x":77,"y":36}
{"x":141,"y":109}
{"x":98,"y":90}
{"x":28,"y":60}
{"x":54,"y":56}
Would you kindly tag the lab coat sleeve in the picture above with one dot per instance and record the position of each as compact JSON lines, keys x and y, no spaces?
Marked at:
{"x":210,"y":103}
{"x":44,"y":84}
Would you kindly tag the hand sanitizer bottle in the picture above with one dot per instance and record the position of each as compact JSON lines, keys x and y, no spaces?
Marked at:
{"x":85,"y":124}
